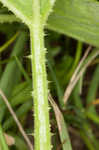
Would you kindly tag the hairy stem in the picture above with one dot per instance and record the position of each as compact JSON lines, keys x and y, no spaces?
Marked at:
{"x":40,"y":93}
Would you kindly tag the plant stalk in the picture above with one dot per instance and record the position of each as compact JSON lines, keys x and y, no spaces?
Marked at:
{"x":40,"y":93}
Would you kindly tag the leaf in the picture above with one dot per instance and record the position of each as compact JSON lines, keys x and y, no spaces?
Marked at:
{"x":21,"y":112}
{"x":92,"y":91}
{"x":9,"y":42}
{"x":20,"y":143}
{"x":11,"y":71}
{"x":76,"y":18}
{"x":8,"y":18}
{"x":23,"y":9}
{"x":3,"y":144}
{"x":46,"y":8}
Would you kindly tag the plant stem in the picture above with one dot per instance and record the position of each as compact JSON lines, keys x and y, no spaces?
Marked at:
{"x":40,"y":94}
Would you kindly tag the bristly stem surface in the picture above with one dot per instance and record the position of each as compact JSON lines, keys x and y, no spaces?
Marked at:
{"x":40,"y":93}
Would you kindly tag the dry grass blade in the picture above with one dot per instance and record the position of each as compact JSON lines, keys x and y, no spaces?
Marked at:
{"x":77,"y":75}
{"x":79,"y":65}
{"x":68,"y":89}
{"x":16,"y":120}
{"x":64,"y":137}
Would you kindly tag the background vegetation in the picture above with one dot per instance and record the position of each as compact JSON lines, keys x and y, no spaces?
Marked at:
{"x":72,"y":64}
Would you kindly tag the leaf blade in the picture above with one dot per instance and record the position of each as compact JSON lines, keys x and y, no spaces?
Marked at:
{"x":77,"y":19}
{"x":64,"y":137}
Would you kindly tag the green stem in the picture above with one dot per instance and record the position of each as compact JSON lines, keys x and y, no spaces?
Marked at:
{"x":40,"y":94}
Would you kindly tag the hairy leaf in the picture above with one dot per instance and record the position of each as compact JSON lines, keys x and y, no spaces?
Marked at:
{"x":46,"y":8}
{"x":23,"y":9}
{"x":76,"y":18}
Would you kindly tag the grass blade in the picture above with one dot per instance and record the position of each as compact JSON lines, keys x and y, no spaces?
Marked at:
{"x":3,"y":145}
{"x":11,"y":74}
{"x":66,"y":144}
{"x":93,"y":90}
{"x":16,"y":120}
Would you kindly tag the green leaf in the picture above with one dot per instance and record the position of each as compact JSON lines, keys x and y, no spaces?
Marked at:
{"x":23,"y":9}
{"x":11,"y":71}
{"x":8,"y":18}
{"x":20,"y":112}
{"x":76,"y":18}
{"x":3,"y":144}
{"x":92,"y":91}
{"x":19,"y":143}
{"x":46,"y":8}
